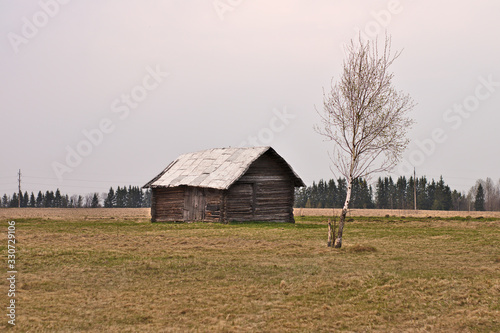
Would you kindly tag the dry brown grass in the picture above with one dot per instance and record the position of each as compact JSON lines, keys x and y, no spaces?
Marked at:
{"x":144,"y":213}
{"x":362,"y":248}
{"x":392,"y":212}
{"x":71,"y":214}
{"x":112,"y":275}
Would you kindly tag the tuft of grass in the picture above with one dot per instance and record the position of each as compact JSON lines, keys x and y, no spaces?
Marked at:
{"x":361,"y":248}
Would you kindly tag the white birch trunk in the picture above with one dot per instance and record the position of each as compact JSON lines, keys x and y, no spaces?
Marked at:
{"x":338,"y":241}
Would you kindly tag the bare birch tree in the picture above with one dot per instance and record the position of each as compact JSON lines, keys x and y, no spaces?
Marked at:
{"x":365,"y":117}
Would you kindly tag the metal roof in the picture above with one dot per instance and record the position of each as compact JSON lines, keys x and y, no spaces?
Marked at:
{"x":215,"y":168}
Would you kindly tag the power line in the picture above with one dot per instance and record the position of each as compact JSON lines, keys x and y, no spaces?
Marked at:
{"x":62,"y":185}
{"x":82,"y":180}
{"x":78,"y":186}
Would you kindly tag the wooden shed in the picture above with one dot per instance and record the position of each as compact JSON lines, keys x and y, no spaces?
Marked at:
{"x":225,"y":184}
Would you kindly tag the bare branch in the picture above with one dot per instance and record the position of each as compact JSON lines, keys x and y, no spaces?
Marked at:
{"x":363,"y":114}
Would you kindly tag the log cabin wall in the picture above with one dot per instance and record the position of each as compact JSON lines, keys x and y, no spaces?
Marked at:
{"x":240,"y":202}
{"x":264,"y":193}
{"x":167,"y":204}
{"x":184,"y":203}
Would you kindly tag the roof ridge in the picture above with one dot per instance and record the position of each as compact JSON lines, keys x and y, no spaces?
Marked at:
{"x":218,"y":148}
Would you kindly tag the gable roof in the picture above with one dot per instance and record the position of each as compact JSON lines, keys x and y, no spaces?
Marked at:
{"x":215,"y":168}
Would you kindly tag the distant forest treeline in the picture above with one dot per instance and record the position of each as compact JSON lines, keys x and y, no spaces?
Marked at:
{"x":123,"y":197}
{"x":431,"y":195}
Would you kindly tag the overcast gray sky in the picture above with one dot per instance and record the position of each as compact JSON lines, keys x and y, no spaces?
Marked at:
{"x":105,"y":93}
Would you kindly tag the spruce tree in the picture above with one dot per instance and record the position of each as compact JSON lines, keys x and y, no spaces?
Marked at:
{"x":410,"y":203}
{"x":48,"y":199}
{"x":401,"y":194}
{"x":39,"y":199}
{"x":5,"y":201}
{"x":381,"y":199}
{"x":121,"y":197}
{"x":32,"y":200}
{"x":431,"y":191}
{"x":110,"y":201}
{"x":25,"y":199}
{"x":391,"y":192}
{"x":57,"y":199}
{"x":422,"y":193}
{"x":479,"y":202}
{"x":331,"y":193}
{"x":341,"y":192}
{"x":14,"y":202}
{"x":95,"y":201}
{"x":447,"y":201}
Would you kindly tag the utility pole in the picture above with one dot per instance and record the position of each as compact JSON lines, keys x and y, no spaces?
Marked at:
{"x":20,"y":193}
{"x":415,"y":187}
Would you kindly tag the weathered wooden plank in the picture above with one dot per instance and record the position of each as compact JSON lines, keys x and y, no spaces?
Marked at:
{"x":168,"y":204}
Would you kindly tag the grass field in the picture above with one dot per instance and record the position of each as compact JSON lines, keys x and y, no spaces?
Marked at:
{"x":125,"y":274}
{"x":144,"y":213}
{"x":393,"y":212}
